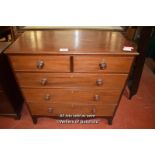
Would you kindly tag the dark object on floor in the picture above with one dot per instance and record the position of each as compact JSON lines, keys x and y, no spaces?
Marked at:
{"x":136,"y":73}
{"x":10,"y":96}
{"x":151,"y":47}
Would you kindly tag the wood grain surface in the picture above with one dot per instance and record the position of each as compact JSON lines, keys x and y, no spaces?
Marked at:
{"x":71,"y":80}
{"x":77,"y":42}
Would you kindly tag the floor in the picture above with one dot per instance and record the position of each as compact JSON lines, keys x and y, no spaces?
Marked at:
{"x":136,"y":113}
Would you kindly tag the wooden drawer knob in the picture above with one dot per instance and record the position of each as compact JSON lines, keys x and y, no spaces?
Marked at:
{"x":40,"y":64}
{"x":96,"y":98}
{"x":47,"y":97}
{"x":43,"y":81}
{"x":50,"y":110}
{"x":99,"y":82}
{"x":102,"y":66}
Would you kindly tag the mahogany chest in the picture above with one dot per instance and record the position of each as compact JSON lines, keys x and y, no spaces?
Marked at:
{"x":71,"y":71}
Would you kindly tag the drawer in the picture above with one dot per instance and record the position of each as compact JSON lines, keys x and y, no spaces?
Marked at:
{"x":5,"y":105}
{"x":53,"y":80}
{"x":58,"y":109}
{"x":48,"y":96}
{"x":102,"y":64}
{"x":41,"y":63}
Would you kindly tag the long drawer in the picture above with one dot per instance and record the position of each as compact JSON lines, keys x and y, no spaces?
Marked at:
{"x":67,"y":96}
{"x":49,"y":80}
{"x":58,"y":109}
{"x":102,"y":64}
{"x":41,"y":63}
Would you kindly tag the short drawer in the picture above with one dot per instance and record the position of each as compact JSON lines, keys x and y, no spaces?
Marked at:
{"x":59,"y":109}
{"x":71,"y":96}
{"x":41,"y":63}
{"x":102,"y":64}
{"x":53,"y":80}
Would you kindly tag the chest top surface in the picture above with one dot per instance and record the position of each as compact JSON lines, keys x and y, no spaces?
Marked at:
{"x":74,"y":41}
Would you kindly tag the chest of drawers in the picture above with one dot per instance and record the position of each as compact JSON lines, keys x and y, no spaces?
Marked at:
{"x":71,"y":71}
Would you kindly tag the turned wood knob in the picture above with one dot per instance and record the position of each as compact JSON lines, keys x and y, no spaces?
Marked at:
{"x":99,"y":82}
{"x":47,"y":97}
{"x":43,"y":81}
{"x":50,"y":110}
{"x":96,"y":97}
{"x":40,"y":64}
{"x":102,"y":66}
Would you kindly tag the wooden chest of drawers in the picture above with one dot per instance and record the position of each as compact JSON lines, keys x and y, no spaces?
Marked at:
{"x":71,"y":71}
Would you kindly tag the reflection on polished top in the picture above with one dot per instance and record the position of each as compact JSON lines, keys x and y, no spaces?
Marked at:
{"x":75,"y":41}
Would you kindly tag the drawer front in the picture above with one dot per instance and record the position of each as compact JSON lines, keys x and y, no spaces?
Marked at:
{"x":58,"y":109}
{"x":49,"y":80}
{"x":48,"y":96}
{"x":41,"y":63}
{"x":102,"y":64}
{"x":5,"y":105}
